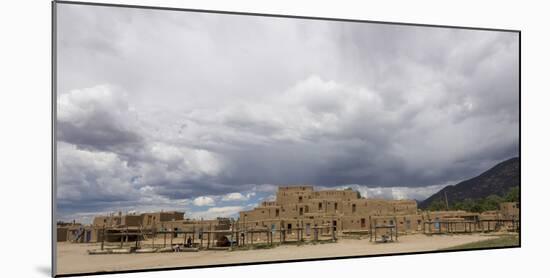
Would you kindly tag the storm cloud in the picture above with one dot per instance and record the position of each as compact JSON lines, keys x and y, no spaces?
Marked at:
{"x":208,"y":113}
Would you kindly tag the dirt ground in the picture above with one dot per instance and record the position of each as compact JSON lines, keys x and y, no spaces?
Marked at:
{"x":73,"y":258}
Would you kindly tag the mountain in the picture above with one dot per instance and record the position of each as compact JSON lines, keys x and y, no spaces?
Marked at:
{"x":497,"y":180}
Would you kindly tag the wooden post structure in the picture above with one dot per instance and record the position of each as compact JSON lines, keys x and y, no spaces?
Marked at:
{"x":153,"y":234}
{"x":208,"y":241}
{"x":396,"y":231}
{"x":375,"y":230}
{"x":121,"y":239}
{"x":245,"y":232}
{"x":210,"y":237}
{"x":102,"y":237}
{"x":193,"y":237}
{"x":370,"y":228}
{"x":185,"y":238}
{"x":316,"y":233}
{"x":281,"y":232}
{"x":171,"y":238}
{"x":232,"y":231}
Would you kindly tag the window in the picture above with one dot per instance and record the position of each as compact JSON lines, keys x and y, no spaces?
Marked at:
{"x":353,"y":208}
{"x":301,"y":211}
{"x":307,"y":209}
{"x":320,"y":206}
{"x":276,"y":213}
{"x":335,"y":206}
{"x":300,"y":199}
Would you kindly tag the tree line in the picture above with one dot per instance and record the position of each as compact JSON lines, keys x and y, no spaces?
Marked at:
{"x":490,"y":202}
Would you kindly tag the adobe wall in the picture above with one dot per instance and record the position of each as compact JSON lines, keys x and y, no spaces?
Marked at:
{"x":301,"y":206}
{"x":509,"y":210}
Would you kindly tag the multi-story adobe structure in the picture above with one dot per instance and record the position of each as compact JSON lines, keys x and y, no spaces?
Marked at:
{"x":346,"y":211}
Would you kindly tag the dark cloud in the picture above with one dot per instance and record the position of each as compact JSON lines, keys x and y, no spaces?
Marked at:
{"x":159,"y":108}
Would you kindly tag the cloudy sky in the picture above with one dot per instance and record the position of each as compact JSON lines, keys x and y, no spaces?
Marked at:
{"x":208,"y":113}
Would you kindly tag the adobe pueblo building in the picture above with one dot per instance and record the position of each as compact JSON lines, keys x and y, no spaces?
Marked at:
{"x":305,"y":210}
{"x":343,"y":210}
{"x":298,"y":214}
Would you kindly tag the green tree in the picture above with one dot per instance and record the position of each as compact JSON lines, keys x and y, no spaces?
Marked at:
{"x":471,"y":205}
{"x":437,"y":205}
{"x":492,"y":202}
{"x":512,"y":195}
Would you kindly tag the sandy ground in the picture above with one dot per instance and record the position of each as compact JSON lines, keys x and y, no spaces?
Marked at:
{"x":73,"y":258}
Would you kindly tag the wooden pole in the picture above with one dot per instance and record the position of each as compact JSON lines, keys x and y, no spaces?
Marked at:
{"x":232,"y":231}
{"x":396,"y":231}
{"x":202,"y":236}
{"x":210,"y":231}
{"x":374,"y":230}
{"x":202,"y":232}
{"x":102,"y":237}
{"x":184,"y":238}
{"x":245,"y":232}
{"x":370,"y":228}
{"x":315,"y":233}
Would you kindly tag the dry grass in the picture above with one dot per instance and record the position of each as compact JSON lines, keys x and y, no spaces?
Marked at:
{"x":501,"y":241}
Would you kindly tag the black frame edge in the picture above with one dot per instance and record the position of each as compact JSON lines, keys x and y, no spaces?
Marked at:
{"x":282,"y":16}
